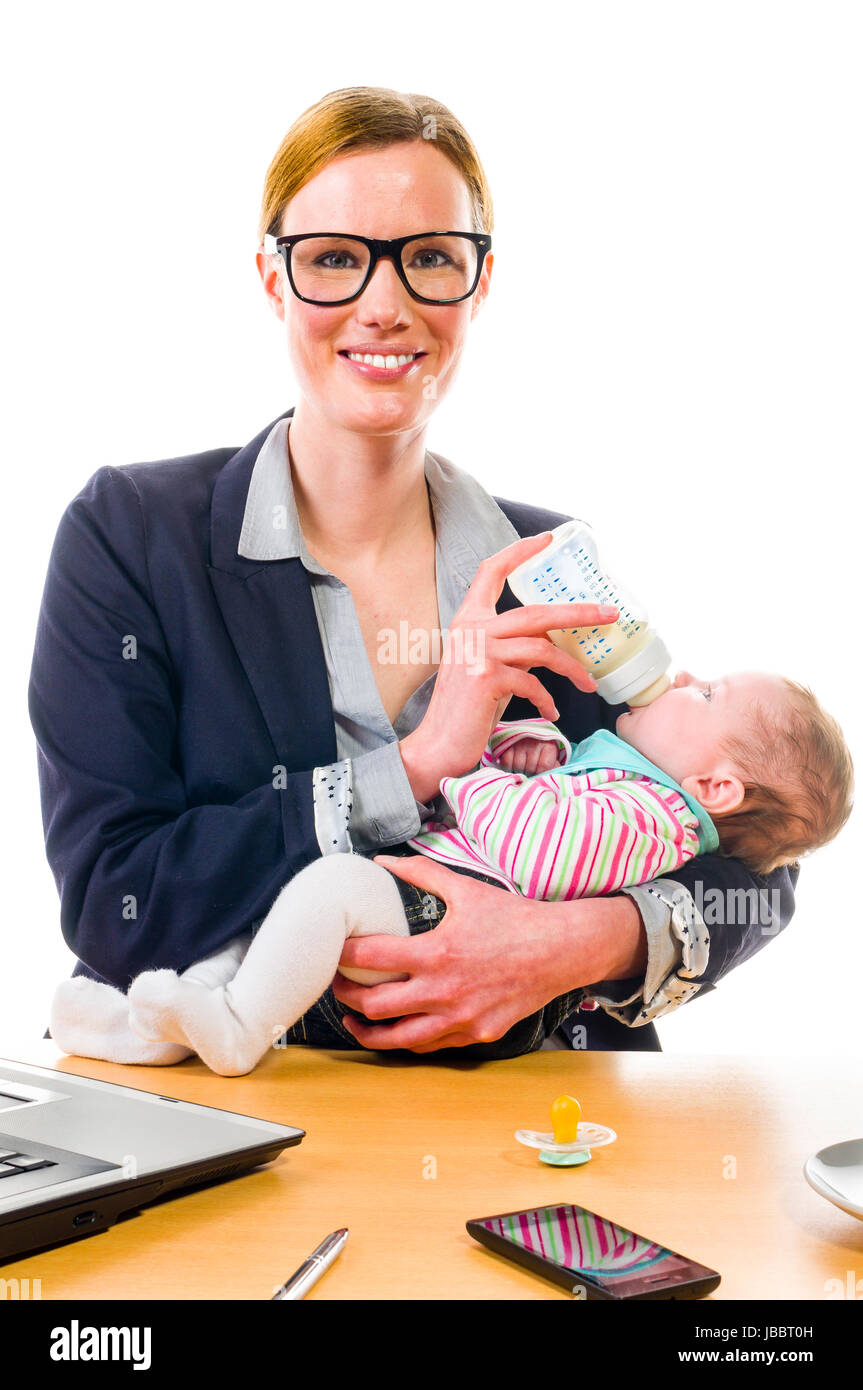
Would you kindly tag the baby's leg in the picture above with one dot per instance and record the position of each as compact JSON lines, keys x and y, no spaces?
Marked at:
{"x":91,"y":1019}
{"x":289,"y":964}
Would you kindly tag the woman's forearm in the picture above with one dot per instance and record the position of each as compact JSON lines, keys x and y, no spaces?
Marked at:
{"x":594,"y":939}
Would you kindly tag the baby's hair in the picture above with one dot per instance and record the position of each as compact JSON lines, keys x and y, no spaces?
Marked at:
{"x":799,"y":783}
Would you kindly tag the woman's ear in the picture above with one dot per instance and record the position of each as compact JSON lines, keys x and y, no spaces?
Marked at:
{"x":270,"y":271}
{"x":482,"y":288}
{"x":719,"y":793}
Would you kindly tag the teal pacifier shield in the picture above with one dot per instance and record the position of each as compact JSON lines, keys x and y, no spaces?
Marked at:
{"x":564,"y":1160}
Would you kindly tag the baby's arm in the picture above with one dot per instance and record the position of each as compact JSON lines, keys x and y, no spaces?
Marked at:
{"x":526,"y":745}
{"x":523,"y":745}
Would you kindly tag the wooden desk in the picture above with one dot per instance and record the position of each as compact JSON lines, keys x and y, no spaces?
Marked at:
{"x":708,"y":1161}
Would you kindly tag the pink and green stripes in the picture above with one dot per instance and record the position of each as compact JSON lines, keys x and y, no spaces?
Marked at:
{"x":578,"y":1240}
{"x":557,"y":836}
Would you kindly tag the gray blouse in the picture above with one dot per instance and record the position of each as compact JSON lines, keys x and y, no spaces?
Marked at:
{"x":364,"y":801}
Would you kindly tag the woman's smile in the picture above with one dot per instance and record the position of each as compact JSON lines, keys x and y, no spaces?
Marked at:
{"x":382,"y":361}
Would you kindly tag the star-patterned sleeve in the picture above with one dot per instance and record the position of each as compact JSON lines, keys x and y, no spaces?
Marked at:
{"x":364,"y":804}
{"x":332,"y":793}
{"x":678,"y":943}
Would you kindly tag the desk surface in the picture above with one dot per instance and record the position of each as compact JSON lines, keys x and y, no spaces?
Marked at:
{"x":404,"y":1150}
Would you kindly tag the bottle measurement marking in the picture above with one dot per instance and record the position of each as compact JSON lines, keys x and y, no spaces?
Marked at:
{"x":554,"y":589}
{"x":572,"y":574}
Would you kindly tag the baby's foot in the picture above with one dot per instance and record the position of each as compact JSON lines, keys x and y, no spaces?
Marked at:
{"x":153,"y":1000}
{"x":165,"y":1005}
{"x":90,"y":1019}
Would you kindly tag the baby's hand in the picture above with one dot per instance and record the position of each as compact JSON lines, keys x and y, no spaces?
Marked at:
{"x":530,"y":755}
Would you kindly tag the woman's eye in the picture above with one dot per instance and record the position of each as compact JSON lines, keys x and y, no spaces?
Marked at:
{"x":707,"y":692}
{"x":336,"y":260}
{"x":430,"y":260}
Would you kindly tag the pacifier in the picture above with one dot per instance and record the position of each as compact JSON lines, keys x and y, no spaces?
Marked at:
{"x":571,"y":1139}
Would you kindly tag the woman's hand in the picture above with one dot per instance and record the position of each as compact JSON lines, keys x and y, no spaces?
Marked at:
{"x":495,"y":958}
{"x":486,"y":660}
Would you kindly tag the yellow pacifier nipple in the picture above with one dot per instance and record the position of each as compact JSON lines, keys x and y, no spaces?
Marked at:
{"x":564,"y":1147}
{"x":565,"y":1115}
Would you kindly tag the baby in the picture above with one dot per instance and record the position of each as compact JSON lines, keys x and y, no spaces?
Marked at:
{"x":748,"y":765}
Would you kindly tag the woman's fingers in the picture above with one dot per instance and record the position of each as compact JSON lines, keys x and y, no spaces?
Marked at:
{"x":407,"y":1032}
{"x":381,"y":952}
{"x":491,"y":574}
{"x":386,"y":1000}
{"x":447,"y":1040}
{"x":540,"y":618}
{"x":539,"y":651}
{"x":422,"y":872}
{"x":527,"y":687}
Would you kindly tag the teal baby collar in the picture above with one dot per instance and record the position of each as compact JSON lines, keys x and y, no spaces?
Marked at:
{"x":604,"y":749}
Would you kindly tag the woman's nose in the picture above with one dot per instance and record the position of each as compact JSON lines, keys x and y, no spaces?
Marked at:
{"x":384,"y":299}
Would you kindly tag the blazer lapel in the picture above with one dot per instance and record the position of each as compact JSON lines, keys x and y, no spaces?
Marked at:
{"x":269,"y":613}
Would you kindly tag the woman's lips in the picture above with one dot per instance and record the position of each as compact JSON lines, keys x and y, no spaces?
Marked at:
{"x":382,"y":372}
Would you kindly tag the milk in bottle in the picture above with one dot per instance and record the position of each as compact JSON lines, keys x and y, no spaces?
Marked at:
{"x":627,"y":659}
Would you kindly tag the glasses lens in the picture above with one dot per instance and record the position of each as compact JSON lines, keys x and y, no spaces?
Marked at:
{"x":329,"y":268}
{"x":440,"y":267}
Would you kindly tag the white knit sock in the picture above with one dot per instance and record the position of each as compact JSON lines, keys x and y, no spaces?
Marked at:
{"x":91,"y":1019}
{"x":289,"y":964}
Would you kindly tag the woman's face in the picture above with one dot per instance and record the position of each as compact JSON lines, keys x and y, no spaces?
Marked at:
{"x":403,"y":189}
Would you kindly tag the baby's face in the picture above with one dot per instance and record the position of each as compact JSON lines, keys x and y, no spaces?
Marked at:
{"x":683,"y":730}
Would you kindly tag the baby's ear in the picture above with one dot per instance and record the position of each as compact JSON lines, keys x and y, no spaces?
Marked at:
{"x":719,"y":794}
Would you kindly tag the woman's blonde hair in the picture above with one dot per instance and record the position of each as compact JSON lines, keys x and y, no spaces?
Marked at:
{"x":369,"y":118}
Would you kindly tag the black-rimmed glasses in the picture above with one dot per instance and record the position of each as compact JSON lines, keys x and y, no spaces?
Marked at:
{"x":327,"y":268}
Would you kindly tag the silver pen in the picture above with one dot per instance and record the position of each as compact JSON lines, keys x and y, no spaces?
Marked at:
{"x":311,"y":1269}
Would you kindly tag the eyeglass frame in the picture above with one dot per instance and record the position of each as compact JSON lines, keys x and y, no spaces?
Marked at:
{"x":379,"y":250}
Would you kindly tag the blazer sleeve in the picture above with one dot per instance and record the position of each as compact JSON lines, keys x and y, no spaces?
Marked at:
{"x":737,"y":911}
{"x":146,"y":880}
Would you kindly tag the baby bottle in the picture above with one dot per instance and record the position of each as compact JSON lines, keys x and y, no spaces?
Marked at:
{"x":627,"y":659}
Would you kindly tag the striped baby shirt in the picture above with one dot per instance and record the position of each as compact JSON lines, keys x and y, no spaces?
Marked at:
{"x":605,"y":819}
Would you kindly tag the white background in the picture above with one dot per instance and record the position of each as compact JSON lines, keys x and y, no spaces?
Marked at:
{"x":671,"y":348}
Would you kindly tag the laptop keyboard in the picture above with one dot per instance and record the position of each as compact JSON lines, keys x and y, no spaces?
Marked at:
{"x":27,"y":1165}
{"x":12,"y":1162}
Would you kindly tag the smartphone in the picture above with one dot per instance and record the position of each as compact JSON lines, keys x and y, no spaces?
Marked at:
{"x":591,"y":1256}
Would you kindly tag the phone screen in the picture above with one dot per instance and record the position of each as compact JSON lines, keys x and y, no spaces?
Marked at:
{"x":577,"y":1240}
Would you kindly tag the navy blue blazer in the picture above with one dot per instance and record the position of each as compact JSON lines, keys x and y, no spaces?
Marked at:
{"x":171,"y":680}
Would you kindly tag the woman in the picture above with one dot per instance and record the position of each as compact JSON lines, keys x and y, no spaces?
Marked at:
{"x":209,"y":693}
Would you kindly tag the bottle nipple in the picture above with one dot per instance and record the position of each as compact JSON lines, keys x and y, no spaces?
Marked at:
{"x":653,"y":692}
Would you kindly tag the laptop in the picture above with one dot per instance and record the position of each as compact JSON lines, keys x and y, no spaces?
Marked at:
{"x":77,"y":1154}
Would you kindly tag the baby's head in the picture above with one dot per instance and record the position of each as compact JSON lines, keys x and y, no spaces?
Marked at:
{"x":758,"y":752}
